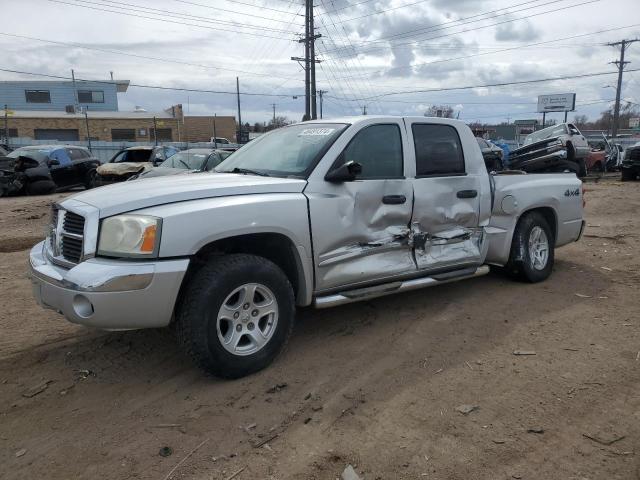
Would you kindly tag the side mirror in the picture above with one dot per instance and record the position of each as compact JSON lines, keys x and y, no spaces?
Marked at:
{"x":53,"y":162}
{"x":347,"y":172}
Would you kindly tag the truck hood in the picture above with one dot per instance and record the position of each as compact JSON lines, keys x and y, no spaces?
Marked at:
{"x":123,"y":168}
{"x":138,"y":194}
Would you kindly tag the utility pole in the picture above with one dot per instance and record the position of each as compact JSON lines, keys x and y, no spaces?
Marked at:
{"x":321,"y":93}
{"x":86,"y":122}
{"x":364,"y":110}
{"x":309,"y":62}
{"x":620,"y":64}
{"x":274,"y":114}
{"x":6,"y":124}
{"x":239,"y":134}
{"x":215,"y":137}
{"x":75,"y":91}
{"x":155,"y":131}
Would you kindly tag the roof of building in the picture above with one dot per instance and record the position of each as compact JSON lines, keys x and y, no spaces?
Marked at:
{"x":90,"y":114}
{"x":121,"y":85}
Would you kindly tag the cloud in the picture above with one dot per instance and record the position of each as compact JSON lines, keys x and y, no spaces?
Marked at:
{"x":521,"y":31}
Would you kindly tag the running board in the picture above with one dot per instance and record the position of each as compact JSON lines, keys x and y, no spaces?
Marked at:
{"x":368,"y":293}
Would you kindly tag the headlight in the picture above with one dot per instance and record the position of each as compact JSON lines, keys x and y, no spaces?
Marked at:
{"x":130,"y":236}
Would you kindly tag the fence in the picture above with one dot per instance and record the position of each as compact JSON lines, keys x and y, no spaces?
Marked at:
{"x":104,"y":151}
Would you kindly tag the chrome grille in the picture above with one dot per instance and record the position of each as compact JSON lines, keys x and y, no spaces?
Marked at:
{"x":66,"y":239}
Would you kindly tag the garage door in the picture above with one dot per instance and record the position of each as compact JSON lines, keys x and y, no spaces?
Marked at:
{"x":68,"y":135}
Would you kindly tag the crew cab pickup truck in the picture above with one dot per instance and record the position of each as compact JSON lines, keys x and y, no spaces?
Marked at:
{"x":320,"y":213}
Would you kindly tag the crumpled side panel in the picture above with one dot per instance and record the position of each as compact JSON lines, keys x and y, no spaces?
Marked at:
{"x":359,"y":238}
{"x":123,"y":168}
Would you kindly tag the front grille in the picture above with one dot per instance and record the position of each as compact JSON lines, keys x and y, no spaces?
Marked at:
{"x":66,"y":239}
{"x":73,"y":223}
{"x":71,"y":249}
{"x":634,"y":154}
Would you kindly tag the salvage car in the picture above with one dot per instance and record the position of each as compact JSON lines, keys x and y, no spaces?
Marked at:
{"x":193,"y":160}
{"x":492,"y":155}
{"x":630,"y":168}
{"x":553,"y":149}
{"x":56,"y":167}
{"x":130,"y":162}
{"x":320,"y":213}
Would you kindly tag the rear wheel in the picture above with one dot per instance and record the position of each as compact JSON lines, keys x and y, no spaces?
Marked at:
{"x":236,"y":315}
{"x":90,"y":179}
{"x":532,"y":249}
{"x":40,"y":187}
{"x":627,"y":174}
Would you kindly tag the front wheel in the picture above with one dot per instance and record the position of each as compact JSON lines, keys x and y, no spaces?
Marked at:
{"x":90,"y":179}
{"x":236,"y":315}
{"x":532,"y":249}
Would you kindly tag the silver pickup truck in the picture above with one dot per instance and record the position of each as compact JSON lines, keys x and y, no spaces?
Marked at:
{"x":319,"y":213}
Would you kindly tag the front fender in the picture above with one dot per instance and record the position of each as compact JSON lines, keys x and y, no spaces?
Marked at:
{"x":189,"y":226}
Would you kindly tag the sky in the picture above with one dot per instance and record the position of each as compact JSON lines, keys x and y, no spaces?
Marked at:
{"x":373,"y":53}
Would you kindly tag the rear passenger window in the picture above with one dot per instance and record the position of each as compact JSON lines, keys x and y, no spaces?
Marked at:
{"x":438,"y":150}
{"x":378,"y":148}
{"x":78,"y":153}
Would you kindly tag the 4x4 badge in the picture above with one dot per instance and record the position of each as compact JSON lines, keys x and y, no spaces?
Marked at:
{"x":572,"y":193}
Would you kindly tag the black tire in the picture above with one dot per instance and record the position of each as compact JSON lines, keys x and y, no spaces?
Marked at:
{"x":520,"y":265}
{"x":90,"y":179}
{"x":627,"y":174}
{"x":202,"y":299}
{"x":582,"y":168}
{"x":40,"y":187}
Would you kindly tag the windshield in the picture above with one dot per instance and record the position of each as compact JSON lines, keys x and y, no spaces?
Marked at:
{"x":39,"y":155}
{"x":549,"y":132}
{"x":186,"y":160}
{"x":287,"y":151}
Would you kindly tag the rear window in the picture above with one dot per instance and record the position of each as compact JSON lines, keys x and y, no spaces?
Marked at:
{"x":438,"y":150}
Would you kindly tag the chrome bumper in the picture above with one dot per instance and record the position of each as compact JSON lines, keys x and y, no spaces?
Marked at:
{"x":108,"y":294}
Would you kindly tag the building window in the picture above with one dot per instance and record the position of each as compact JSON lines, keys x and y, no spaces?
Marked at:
{"x":124,"y":134}
{"x":13,"y":132}
{"x":37,"y":96}
{"x":164,"y":134}
{"x":90,"y":96}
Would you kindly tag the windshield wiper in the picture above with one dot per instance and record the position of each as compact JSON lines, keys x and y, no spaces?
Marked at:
{"x":247,"y":171}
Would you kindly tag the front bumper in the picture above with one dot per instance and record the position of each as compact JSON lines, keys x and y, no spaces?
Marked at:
{"x":108,"y":294}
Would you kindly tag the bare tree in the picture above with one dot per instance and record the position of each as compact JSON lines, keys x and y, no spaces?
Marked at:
{"x":442,"y":111}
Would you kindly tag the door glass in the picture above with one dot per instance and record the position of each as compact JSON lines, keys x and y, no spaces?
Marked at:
{"x":121,"y":157}
{"x":378,"y":148}
{"x":77,"y":153}
{"x":438,"y":150}
{"x":61,"y":156}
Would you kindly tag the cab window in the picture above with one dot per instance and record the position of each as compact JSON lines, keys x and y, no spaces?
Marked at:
{"x":378,"y":148}
{"x":438,"y":150}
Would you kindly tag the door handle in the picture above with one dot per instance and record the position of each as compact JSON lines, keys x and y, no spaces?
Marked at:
{"x":394,"y":199}
{"x":467,"y":194}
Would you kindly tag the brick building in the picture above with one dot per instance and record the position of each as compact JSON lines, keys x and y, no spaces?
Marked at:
{"x":138,"y":126}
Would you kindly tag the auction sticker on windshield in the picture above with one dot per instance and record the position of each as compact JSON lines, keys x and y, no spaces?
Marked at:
{"x":316,"y":132}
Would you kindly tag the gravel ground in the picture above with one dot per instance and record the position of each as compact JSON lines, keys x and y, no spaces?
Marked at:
{"x":377,"y":385}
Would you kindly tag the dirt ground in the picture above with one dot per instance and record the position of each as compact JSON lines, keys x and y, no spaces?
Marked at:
{"x":376,"y":385}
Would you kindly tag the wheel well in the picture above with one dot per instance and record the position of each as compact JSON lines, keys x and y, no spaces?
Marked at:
{"x":273,"y":246}
{"x":549,"y":215}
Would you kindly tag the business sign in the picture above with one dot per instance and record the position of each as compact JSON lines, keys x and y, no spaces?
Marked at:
{"x":561,"y":102}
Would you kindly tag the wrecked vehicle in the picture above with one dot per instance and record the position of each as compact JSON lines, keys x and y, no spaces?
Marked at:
{"x":24,"y":175}
{"x":319,"y":213}
{"x":557,"y":148}
{"x":68,"y":166}
{"x":130,"y":162}
{"x":630,"y":167}
{"x":193,"y":160}
{"x":492,"y":155}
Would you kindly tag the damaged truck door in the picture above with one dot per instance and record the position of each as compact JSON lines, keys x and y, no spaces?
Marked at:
{"x":448,"y":196}
{"x":360,"y":227}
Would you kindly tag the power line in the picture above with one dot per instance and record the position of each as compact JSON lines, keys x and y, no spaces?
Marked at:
{"x":402,"y":67}
{"x":621,"y":63}
{"x":155,"y":87}
{"x":162,"y":19}
{"x":502,"y":84}
{"x":413,"y":42}
{"x":219,"y":9}
{"x":135,"y":55}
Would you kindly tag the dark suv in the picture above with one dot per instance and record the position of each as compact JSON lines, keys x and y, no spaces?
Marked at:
{"x":54,"y":167}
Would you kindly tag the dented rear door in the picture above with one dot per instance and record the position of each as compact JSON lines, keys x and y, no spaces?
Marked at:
{"x":360,"y":229}
{"x":447,"y":194}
